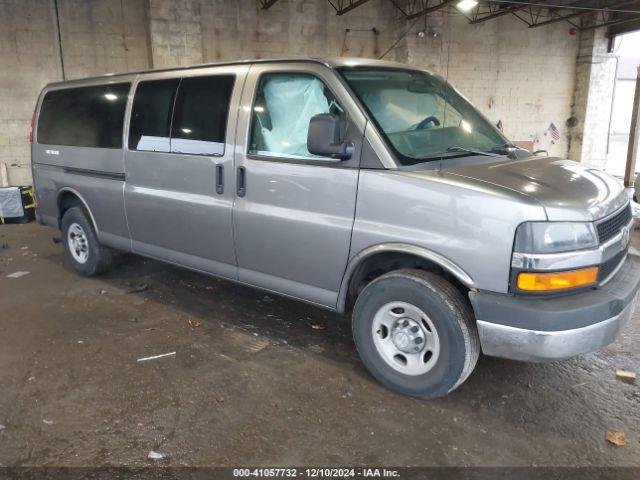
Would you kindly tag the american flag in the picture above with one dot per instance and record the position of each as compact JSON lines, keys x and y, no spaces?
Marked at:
{"x":553,"y":131}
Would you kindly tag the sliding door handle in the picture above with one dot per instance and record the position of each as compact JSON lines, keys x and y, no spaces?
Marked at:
{"x":241,"y":182}
{"x":219,"y":179}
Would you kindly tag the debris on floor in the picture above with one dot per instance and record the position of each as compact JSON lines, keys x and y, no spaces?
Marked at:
{"x":47,"y":422}
{"x":626,"y":376}
{"x":194,"y":323}
{"x":318,"y":326}
{"x":138,"y":288}
{"x":155,"y":357}
{"x":2,"y":427}
{"x":153,"y":455}
{"x":17,"y":274}
{"x":618,"y":439}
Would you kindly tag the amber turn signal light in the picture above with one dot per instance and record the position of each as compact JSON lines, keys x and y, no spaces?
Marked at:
{"x":540,"y":282}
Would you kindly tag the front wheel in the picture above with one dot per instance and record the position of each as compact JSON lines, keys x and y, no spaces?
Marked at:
{"x":81,"y":245}
{"x":416,"y":334}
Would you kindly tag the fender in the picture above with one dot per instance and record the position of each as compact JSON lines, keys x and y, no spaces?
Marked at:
{"x":84,"y":202}
{"x":413,"y":250}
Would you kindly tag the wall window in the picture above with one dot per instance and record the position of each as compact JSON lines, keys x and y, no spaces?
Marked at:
{"x":200,"y":115}
{"x":150,"y":125}
{"x":84,"y":117}
{"x":284,"y":105}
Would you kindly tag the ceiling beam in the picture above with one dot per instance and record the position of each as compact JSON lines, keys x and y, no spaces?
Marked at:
{"x":266,"y":4}
{"x":410,"y":12}
{"x":615,"y":30}
{"x":500,"y":13}
{"x":343,"y":6}
{"x":562,"y":18}
{"x":610,"y":23}
{"x":428,"y":9}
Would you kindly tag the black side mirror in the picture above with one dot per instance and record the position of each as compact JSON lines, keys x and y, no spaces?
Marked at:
{"x":323,"y":137}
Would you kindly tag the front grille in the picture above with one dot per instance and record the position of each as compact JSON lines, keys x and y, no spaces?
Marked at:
{"x":610,"y":227}
{"x":608,"y":267}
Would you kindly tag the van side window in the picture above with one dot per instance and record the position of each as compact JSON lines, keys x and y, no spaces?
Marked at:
{"x":84,"y":117}
{"x":150,"y":123}
{"x":283,"y":107}
{"x":200,"y":115}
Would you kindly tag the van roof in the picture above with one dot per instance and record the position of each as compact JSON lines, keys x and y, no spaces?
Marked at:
{"x":331,"y":62}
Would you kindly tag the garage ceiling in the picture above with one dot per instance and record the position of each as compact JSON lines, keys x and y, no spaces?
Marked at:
{"x":618,"y":16}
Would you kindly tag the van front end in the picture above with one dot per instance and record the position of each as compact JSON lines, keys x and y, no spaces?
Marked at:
{"x":567,"y":303}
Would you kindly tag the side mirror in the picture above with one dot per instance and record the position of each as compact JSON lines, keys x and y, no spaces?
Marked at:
{"x":323,"y":137}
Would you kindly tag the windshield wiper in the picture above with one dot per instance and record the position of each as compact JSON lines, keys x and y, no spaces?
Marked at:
{"x":475,"y":152}
{"x":507,"y":149}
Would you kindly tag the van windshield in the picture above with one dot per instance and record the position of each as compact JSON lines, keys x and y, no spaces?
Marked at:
{"x":422,"y":117}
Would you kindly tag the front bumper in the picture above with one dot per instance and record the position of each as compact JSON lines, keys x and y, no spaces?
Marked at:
{"x":547,"y":329}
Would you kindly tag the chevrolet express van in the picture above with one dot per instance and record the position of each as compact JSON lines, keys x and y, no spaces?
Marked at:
{"x":360,"y":186}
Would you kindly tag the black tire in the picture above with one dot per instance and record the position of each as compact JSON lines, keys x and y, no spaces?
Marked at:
{"x":449,"y":312}
{"x":99,"y":258}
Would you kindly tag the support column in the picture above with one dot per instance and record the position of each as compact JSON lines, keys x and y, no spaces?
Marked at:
{"x":634,"y":138}
{"x":593,"y":97}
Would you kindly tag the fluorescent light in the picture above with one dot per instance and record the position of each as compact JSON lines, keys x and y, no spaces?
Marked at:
{"x":466,"y":5}
{"x":186,"y":130}
{"x":110,"y":96}
{"x":466,"y":126}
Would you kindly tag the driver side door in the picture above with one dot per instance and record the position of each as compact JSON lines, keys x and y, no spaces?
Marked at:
{"x":294,"y":212}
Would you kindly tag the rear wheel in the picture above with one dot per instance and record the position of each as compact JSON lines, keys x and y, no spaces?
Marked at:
{"x":81,"y":245}
{"x":416,"y":334}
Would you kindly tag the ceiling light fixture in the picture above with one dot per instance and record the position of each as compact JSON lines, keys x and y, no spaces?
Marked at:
{"x":466,"y":5}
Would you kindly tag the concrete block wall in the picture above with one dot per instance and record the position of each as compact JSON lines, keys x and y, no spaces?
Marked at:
{"x":98,"y":36}
{"x":240,"y":29}
{"x":28,"y":60}
{"x":593,"y":97}
{"x":175,"y":32}
{"x":103,"y":36}
{"x":524,"y":77}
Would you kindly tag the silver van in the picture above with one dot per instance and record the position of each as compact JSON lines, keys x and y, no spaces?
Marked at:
{"x":360,"y":186}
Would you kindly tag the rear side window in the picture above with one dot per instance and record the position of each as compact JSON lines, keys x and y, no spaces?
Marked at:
{"x":150,"y":125}
{"x":84,"y":117}
{"x":200,"y":115}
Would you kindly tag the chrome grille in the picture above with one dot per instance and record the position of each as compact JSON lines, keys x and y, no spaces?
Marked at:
{"x":610,"y":227}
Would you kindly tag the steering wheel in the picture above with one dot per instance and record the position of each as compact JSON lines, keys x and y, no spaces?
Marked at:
{"x":427,"y":121}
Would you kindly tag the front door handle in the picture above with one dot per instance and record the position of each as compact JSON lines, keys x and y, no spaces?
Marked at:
{"x":241,"y":182}
{"x":219,"y":179}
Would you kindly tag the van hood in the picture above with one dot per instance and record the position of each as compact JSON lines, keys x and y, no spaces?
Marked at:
{"x":568,"y":191}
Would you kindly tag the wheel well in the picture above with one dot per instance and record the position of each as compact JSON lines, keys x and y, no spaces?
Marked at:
{"x":377,"y":265}
{"x":66,"y":201}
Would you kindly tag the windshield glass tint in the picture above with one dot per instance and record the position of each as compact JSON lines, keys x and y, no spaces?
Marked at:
{"x":420,"y":115}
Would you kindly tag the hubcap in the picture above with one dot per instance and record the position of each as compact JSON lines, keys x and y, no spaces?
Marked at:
{"x":405,"y":338}
{"x":78,"y":244}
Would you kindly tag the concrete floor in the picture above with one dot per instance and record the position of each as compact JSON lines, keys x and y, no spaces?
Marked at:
{"x":254,"y":384}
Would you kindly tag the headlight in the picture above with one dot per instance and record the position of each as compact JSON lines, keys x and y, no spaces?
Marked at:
{"x":555,"y":237}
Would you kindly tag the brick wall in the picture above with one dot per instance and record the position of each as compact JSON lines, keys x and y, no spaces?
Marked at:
{"x":524,"y":77}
